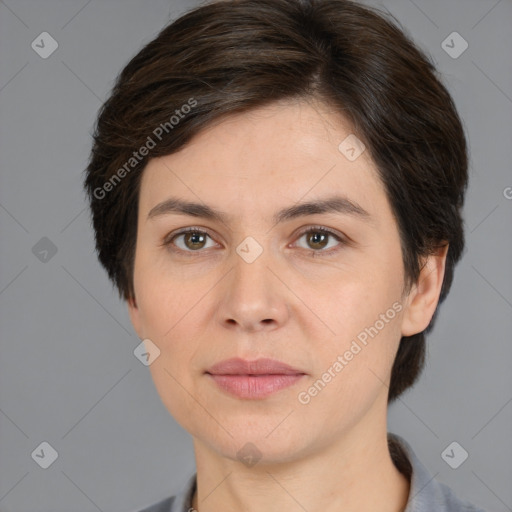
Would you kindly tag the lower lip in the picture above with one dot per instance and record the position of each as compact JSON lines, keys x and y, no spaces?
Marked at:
{"x":254,"y":386}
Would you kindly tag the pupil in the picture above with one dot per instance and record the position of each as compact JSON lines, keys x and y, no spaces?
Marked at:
{"x":193,"y":238}
{"x":315,"y":240}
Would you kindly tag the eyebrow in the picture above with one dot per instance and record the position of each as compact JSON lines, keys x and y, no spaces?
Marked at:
{"x":333,"y":204}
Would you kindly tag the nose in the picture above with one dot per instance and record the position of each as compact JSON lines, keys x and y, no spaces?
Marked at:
{"x":253,"y":298}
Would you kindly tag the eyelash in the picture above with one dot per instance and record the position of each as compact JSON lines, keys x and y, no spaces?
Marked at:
{"x":168,"y":241}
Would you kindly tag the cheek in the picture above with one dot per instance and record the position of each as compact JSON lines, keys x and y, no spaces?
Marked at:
{"x":352,"y":372}
{"x":162,"y":299}
{"x":358,"y":301}
{"x":167,"y":315}
{"x":172,"y":314}
{"x":365,"y":316}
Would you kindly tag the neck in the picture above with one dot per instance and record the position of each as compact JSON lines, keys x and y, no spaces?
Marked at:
{"x":352,"y":474}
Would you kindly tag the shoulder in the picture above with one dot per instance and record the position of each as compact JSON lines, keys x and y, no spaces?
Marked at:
{"x":426,"y":493}
{"x":451,"y":502}
{"x":181,"y":502}
{"x":164,"y":505}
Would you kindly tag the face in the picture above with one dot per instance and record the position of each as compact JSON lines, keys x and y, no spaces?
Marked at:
{"x":319,"y":289}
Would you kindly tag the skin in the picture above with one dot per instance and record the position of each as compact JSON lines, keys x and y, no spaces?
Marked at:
{"x":294,"y":303}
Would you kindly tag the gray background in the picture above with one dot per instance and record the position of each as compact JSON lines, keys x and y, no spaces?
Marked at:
{"x":68,"y":374}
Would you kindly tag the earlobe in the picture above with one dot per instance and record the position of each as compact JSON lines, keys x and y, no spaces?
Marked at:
{"x":423,"y":298}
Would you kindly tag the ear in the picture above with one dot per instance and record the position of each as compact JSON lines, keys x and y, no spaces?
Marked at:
{"x":135,"y":316}
{"x":422,"y":300}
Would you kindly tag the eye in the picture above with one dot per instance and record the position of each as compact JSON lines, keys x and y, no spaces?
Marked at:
{"x":318,"y":237}
{"x":193,"y":239}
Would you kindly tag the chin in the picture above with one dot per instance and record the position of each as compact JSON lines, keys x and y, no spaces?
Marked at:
{"x":262,"y":444}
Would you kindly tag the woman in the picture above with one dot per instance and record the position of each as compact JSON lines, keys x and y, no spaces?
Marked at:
{"x":276,"y":189}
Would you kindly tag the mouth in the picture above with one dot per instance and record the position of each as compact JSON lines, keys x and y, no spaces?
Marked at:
{"x":253,"y":379}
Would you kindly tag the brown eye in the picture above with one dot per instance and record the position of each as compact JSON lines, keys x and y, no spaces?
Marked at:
{"x":191,"y":240}
{"x":317,"y":240}
{"x":320,"y":240}
{"x":194,"y":240}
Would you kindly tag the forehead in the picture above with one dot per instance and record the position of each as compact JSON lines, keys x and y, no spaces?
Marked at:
{"x":257,"y":160}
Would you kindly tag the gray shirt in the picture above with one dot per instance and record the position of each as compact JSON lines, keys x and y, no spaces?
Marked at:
{"x":426,"y":494}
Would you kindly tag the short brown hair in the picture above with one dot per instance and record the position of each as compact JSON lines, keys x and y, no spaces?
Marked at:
{"x":231,"y":56}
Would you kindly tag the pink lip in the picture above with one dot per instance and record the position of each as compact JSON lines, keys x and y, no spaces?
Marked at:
{"x":253,"y":379}
{"x":237,"y":366}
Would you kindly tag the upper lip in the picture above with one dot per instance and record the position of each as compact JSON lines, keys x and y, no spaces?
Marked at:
{"x":265,"y":366}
